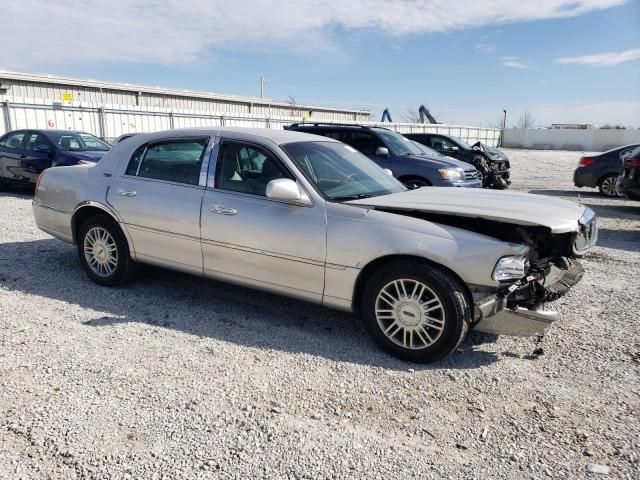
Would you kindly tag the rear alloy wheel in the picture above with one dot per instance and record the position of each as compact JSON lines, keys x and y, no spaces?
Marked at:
{"x":104,"y":252}
{"x":415,"y":311}
{"x":607,"y":185}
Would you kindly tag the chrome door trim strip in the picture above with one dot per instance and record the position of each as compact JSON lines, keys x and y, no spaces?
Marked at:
{"x":292,"y":258}
{"x":163,"y":232}
{"x":59,"y":210}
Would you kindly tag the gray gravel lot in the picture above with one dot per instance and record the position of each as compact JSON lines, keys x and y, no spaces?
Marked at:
{"x":178,"y":377}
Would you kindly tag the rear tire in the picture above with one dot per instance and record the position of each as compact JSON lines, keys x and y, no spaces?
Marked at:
{"x":415,"y":311}
{"x":607,"y":185}
{"x":104,"y":251}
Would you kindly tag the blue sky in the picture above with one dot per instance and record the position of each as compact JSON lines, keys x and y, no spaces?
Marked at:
{"x":466,"y":66}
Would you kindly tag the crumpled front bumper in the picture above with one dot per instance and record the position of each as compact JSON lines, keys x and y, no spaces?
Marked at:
{"x":493,"y":316}
{"x":504,"y":312}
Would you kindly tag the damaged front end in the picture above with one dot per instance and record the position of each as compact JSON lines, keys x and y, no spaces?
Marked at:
{"x":549,"y":270}
{"x":518,"y":308}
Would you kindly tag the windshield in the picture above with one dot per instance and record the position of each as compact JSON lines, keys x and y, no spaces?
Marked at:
{"x":461,"y":142}
{"x":79,"y":142}
{"x":340,"y":172}
{"x":398,"y":144}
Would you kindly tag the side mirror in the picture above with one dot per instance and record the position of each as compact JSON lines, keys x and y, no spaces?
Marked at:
{"x":454,"y":149}
{"x":382,"y":152}
{"x":287,"y":190}
{"x":41,"y":149}
{"x":388,"y":172}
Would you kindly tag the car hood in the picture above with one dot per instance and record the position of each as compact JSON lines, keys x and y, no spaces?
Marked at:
{"x":443,"y":161}
{"x":560,"y":216}
{"x":491,"y":152}
{"x":88,"y":156}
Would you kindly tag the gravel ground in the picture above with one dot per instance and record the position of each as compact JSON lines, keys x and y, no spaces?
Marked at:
{"x":177,"y":377}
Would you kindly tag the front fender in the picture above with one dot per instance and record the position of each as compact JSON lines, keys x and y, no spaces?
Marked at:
{"x":358,"y":236}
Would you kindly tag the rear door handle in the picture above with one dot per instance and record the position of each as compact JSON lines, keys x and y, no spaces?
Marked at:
{"x":126,"y":193}
{"x":222,"y":210}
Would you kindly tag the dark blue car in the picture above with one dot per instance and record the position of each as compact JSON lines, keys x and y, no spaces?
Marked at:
{"x":414,"y":165}
{"x":24,"y":154}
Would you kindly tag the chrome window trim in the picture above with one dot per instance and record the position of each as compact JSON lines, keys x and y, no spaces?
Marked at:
{"x":205,"y":159}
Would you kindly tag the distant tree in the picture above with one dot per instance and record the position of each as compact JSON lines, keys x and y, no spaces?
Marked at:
{"x":496,"y":124}
{"x":526,"y":120}
{"x":411,"y":115}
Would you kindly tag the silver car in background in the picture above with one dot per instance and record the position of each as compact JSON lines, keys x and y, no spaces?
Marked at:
{"x":311,"y":218}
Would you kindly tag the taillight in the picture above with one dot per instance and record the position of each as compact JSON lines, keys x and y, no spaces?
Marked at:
{"x":586,"y":161}
{"x":38,"y":183}
{"x":634,"y":162}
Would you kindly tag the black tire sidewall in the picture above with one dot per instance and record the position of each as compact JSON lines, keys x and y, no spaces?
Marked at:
{"x":122,"y":271}
{"x":443,"y":284}
{"x":602,"y":180}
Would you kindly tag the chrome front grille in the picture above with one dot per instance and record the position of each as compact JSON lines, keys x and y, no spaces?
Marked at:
{"x":470,"y":174}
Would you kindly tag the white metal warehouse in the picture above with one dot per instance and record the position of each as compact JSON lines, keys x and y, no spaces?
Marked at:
{"x":110,"y":109}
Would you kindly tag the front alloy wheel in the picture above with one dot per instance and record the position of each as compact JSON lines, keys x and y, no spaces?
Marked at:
{"x":410,"y":314}
{"x":415,"y":310}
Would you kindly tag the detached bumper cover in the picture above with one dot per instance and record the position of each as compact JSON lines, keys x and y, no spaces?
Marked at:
{"x":504,"y":314}
{"x":520,"y":322}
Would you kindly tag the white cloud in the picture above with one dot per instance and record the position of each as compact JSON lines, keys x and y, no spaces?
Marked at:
{"x":174,"y":31}
{"x":608,"y":59}
{"x":485,"y":47}
{"x":513,"y":62}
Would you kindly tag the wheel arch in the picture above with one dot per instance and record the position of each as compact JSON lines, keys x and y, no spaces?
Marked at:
{"x":406,"y":178}
{"x":87,"y":210}
{"x":380,"y":262}
{"x":606,"y":173}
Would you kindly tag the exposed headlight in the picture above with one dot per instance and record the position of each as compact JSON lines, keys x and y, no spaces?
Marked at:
{"x":450,"y":174}
{"x":85,"y":162}
{"x":510,"y":268}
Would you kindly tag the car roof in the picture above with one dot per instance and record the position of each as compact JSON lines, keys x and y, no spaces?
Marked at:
{"x":277,"y":136}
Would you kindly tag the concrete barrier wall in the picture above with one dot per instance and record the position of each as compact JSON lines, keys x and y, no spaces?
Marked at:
{"x":596,"y":140}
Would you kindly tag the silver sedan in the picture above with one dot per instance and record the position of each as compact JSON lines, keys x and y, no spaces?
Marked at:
{"x":311,"y":218}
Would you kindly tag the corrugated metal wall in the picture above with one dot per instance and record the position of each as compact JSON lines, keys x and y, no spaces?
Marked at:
{"x":113,"y":120}
{"x":45,"y":89}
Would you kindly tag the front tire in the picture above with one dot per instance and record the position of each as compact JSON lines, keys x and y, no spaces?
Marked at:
{"x":607,"y":185}
{"x":415,"y":311}
{"x":104,"y":251}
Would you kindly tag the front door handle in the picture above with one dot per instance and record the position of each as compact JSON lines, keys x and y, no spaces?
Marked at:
{"x":222,"y":210}
{"x":126,"y":193}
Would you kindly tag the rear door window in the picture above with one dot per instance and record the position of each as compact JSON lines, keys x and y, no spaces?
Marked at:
{"x":35,"y":140}
{"x":364,"y":142}
{"x":177,"y":161}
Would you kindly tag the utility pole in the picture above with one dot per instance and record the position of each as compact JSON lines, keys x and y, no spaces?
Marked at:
{"x":262,"y":82}
{"x":504,"y":125}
